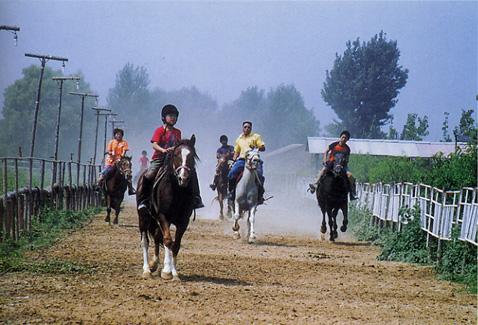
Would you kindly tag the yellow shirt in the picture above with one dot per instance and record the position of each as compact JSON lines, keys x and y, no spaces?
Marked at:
{"x":245,"y":143}
{"x":116,"y":149}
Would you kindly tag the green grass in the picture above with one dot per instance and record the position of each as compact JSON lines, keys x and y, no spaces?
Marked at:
{"x":458,"y":262}
{"x":46,"y":230}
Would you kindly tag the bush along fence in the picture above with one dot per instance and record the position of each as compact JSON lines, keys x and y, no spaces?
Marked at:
{"x":440,"y":210}
{"x":30,"y":184}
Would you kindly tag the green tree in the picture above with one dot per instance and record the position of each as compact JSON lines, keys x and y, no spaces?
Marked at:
{"x":415,"y":129}
{"x":466,"y":130}
{"x":18,"y":109}
{"x":363,"y":85}
{"x":446,"y":134}
{"x":285,"y":119}
{"x":130,"y":97}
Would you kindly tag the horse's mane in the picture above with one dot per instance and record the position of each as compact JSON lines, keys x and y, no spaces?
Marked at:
{"x":187,"y":142}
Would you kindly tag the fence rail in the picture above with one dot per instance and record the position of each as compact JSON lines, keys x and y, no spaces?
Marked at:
{"x":29,"y":184}
{"x":440,"y":210}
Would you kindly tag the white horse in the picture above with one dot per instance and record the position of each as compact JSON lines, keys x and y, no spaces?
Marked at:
{"x":246,"y":195}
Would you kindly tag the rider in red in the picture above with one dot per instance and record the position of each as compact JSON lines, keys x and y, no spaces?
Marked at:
{"x":335,"y":149}
{"x":164,"y":139}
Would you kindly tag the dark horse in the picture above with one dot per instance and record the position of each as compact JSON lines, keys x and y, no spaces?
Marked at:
{"x":222,"y":169}
{"x":332,"y":196}
{"x":172,"y":203}
{"x":115,"y":185}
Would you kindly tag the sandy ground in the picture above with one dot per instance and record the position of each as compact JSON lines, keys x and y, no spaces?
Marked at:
{"x":287,"y":278}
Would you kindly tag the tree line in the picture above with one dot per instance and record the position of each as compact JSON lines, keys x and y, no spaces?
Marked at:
{"x":361,"y":88}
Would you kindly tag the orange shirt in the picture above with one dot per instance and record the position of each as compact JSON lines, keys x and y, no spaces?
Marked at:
{"x":116,"y":149}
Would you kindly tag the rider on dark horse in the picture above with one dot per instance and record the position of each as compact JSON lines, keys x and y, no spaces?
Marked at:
{"x":117,"y":148}
{"x":333,"y":151}
{"x":224,"y":150}
{"x":164,"y":139}
{"x":245,"y":142}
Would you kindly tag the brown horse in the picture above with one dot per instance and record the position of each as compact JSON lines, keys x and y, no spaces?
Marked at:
{"x":221,"y":182}
{"x":115,"y":185}
{"x":172,"y":203}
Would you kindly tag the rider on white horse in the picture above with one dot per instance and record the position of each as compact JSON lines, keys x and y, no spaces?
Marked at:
{"x":246,"y":141}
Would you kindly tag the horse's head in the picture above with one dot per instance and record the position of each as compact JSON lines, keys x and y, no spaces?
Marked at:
{"x":125,"y":166}
{"x":252,"y":158}
{"x":338,"y":166}
{"x":184,"y":160}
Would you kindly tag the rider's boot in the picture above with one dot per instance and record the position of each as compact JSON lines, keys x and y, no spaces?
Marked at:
{"x":231,"y":190}
{"x":353,"y":189}
{"x":143,"y":195}
{"x":131,"y":190}
{"x":313,"y":187}
{"x":213,"y":185}
{"x":260,"y":191}
{"x":197,"y":201}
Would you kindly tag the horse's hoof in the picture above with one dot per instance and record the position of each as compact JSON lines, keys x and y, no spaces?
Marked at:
{"x":236,"y":235}
{"x":176,"y":278}
{"x":343,"y":228}
{"x":323,"y":229}
{"x":147,"y":275}
{"x":107,"y":219}
{"x":235,"y":227}
{"x":166,"y":275}
{"x":251,"y":240}
{"x":115,"y":221}
{"x":221,"y":217}
{"x":153,"y":266}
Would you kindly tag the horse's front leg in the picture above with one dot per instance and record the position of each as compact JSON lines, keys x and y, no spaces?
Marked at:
{"x":220,"y":198}
{"x":108,"y":208}
{"x":334,"y":222}
{"x":251,"y":221}
{"x":331,"y":224}
{"x":145,"y":244}
{"x":236,"y":217}
{"x":346,"y":218}
{"x":175,"y":250}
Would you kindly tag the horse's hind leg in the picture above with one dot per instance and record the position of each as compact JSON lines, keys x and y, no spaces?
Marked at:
{"x":323,"y":227}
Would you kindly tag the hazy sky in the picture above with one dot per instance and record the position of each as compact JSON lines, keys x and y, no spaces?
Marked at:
{"x":225,"y":47}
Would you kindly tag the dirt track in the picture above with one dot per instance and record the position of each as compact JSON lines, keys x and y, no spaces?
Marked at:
{"x":280,"y":279}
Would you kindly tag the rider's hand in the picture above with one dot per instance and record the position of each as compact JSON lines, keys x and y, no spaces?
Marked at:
{"x":171,"y":149}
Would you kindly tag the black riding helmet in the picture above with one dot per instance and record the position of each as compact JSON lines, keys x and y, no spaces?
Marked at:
{"x":167,"y":110}
{"x":118,"y":130}
{"x":223,"y":138}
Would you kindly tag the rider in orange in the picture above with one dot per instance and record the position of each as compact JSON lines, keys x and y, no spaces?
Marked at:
{"x":116,"y":149}
{"x":334,"y":149}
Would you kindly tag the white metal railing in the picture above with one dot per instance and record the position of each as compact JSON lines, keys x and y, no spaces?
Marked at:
{"x":439,"y":209}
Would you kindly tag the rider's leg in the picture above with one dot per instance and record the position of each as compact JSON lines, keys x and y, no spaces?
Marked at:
{"x":232,"y":176}
{"x":353,"y":187}
{"x":103,"y":175}
{"x":144,"y":190}
{"x":213,"y":185}
{"x":315,"y":186}
{"x":197,"y":201}
{"x":131,"y":190}
{"x":260,"y":189}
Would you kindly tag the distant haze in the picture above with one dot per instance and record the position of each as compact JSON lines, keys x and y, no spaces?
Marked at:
{"x":222,"y":48}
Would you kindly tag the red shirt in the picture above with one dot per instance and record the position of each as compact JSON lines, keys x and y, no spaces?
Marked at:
{"x":336,"y":149}
{"x":143,"y":161}
{"x":165,"y":139}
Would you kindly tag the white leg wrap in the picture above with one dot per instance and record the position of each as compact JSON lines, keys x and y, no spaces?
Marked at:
{"x":145,"y":245}
{"x":168,"y":260}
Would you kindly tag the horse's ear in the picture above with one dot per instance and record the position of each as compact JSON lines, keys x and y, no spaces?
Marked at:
{"x":193,"y":140}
